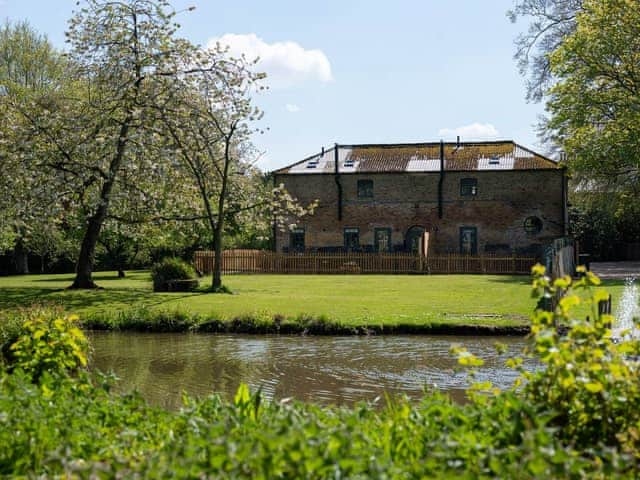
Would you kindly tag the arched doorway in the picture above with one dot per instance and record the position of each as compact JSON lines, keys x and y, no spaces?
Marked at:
{"x":413,"y":237}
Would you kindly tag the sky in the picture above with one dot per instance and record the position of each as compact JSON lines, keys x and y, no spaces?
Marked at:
{"x":355,"y":71}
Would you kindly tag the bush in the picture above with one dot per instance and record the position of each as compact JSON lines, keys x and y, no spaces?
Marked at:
{"x":589,"y":384}
{"x":12,"y":326}
{"x":48,"y":344}
{"x":168,"y":272}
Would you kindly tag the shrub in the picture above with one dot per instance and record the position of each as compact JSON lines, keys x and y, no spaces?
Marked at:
{"x":49,"y":344}
{"x":12,"y":325}
{"x":589,"y":383}
{"x":170,"y":270}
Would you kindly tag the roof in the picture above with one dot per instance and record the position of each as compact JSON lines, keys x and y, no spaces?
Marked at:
{"x":422,"y":157}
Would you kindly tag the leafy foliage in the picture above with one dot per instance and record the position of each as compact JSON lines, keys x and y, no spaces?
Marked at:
{"x":210,"y":129}
{"x":169,"y":269}
{"x":588,"y":383}
{"x":84,"y":430}
{"x":29,"y":215}
{"x":595,"y":104}
{"x":602,"y":221}
{"x":48,"y":344}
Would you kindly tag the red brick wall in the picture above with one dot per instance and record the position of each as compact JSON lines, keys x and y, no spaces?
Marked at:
{"x":401,"y":200}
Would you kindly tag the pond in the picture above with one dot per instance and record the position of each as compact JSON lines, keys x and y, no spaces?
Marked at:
{"x":325,"y":370}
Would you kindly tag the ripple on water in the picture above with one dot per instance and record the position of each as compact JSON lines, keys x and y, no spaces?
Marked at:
{"x":336,"y":370}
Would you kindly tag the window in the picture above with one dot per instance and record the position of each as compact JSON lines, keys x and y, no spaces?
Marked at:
{"x":351,"y":238}
{"x":296,"y":240}
{"x":382,"y":240}
{"x":469,"y":187}
{"x":532,"y":225}
{"x":365,"y":188}
{"x":468,"y":240}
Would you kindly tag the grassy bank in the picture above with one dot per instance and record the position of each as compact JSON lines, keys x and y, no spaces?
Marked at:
{"x":292,"y":303}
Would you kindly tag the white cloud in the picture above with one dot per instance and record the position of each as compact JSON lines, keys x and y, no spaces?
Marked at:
{"x":292,"y":108}
{"x":475,"y":131}
{"x":286,"y":63}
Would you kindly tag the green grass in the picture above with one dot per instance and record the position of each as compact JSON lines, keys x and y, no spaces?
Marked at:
{"x":351,"y":300}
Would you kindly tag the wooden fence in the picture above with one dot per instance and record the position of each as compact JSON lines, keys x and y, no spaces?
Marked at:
{"x":256,"y":261}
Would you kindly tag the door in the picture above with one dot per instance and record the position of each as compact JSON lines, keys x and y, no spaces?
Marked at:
{"x":382,"y":240}
{"x":296,"y":240}
{"x":468,"y":240}
{"x":351,"y":239}
{"x":413,"y":239}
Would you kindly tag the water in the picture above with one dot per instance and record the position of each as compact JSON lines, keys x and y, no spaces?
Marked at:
{"x":628,"y":309}
{"x":325,"y":370}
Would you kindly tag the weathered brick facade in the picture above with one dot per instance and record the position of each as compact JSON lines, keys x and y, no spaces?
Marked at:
{"x":491,"y":220}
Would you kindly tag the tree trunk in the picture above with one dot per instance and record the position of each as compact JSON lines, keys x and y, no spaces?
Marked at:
{"x":216,"y":283}
{"x":217,"y":235}
{"x":121,"y":273}
{"x":21,"y":258}
{"x":84,"y":267}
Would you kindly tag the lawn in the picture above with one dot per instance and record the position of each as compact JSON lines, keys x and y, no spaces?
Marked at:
{"x":348,"y":299}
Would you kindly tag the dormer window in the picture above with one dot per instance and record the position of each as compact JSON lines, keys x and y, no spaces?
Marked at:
{"x":468,"y":187}
{"x":494,"y":161}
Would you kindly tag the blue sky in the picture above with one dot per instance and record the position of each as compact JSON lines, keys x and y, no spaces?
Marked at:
{"x":359,"y":71}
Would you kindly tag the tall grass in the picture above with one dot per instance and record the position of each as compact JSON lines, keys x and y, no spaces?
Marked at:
{"x":176,"y":320}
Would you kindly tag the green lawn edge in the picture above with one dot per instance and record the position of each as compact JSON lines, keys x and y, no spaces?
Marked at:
{"x":292,"y":304}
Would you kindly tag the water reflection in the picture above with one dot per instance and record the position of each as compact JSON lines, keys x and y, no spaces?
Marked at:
{"x":327,"y":370}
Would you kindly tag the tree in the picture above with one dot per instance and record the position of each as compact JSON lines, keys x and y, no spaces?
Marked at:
{"x":100,"y":146}
{"x":210,"y":127}
{"x":552,"y":21}
{"x":29,"y":67}
{"x":595,"y":104}
{"x":582,"y":57}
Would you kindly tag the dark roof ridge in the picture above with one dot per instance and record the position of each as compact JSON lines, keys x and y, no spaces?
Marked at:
{"x":424,"y":144}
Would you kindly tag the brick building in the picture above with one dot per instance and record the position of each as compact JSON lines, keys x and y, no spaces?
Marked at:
{"x":484,"y":197}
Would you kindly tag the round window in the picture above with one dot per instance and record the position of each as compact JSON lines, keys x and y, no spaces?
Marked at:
{"x":532,"y":225}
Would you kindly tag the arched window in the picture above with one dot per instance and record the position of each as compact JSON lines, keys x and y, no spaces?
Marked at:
{"x":413,"y":237}
{"x":532,"y":225}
